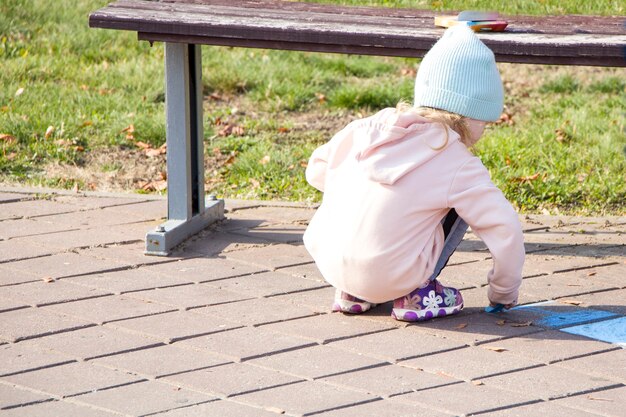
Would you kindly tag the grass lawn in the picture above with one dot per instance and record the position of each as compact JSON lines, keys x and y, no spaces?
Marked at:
{"x":84,"y":108}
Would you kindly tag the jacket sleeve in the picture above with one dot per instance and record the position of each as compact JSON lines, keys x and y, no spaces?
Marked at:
{"x":492,"y":218}
{"x":316,"y":169}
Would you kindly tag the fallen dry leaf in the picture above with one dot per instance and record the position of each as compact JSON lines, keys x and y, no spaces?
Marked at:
{"x":524,"y":324}
{"x":590,"y":274}
{"x":461,"y":326}
{"x":6,"y":137}
{"x":48,"y":279}
{"x":264,"y":160}
{"x":501,"y":322}
{"x":283,"y":130}
{"x":589,"y":397}
{"x":143,"y":145}
{"x":527,"y":179}
{"x":571,"y":302}
{"x":496,"y":349}
{"x":49,"y":132}
{"x":478,"y":382}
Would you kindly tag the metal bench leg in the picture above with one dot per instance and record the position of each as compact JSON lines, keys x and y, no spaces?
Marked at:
{"x":187,"y":210}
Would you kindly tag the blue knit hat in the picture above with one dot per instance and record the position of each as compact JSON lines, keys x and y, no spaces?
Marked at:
{"x":459,"y":75}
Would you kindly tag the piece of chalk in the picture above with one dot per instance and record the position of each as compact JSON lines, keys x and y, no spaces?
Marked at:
{"x":494,"y":309}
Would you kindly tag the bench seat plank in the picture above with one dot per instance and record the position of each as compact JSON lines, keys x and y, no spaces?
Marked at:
{"x":570,"y":40}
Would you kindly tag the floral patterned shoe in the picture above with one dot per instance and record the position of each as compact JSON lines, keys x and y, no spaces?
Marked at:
{"x":347,"y":303}
{"x":432,"y":300}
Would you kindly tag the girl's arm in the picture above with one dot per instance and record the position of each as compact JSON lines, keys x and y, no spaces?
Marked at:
{"x":492,"y":218}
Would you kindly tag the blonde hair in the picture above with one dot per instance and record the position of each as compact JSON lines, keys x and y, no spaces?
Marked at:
{"x":450,"y":120}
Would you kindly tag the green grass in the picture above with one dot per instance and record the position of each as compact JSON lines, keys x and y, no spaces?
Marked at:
{"x":565,"y":151}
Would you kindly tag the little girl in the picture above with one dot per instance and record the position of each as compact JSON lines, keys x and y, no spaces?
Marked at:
{"x":401,"y":187}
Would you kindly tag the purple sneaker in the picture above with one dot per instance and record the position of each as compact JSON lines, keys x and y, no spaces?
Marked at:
{"x":347,"y":303}
{"x":430,"y":301}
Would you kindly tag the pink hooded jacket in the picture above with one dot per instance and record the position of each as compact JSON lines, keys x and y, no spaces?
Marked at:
{"x":377,"y":234}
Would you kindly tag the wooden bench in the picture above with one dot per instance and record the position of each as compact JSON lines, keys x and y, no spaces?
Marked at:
{"x":184,"y":25}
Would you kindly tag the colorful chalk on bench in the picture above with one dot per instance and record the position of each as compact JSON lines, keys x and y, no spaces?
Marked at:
{"x":494,"y":309}
{"x":476,"y":20}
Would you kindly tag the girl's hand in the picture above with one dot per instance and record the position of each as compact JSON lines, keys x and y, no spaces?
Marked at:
{"x":506,"y":306}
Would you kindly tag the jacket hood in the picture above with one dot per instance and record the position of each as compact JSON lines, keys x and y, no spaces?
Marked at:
{"x":391,"y":144}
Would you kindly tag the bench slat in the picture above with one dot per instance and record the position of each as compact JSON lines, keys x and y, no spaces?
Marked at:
{"x":370,"y":31}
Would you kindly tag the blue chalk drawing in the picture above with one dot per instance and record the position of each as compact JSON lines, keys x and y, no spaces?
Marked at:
{"x":555,"y":319}
{"x":612,"y":331}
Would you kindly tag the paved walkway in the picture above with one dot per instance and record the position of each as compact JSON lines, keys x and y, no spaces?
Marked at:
{"x":237,"y":322}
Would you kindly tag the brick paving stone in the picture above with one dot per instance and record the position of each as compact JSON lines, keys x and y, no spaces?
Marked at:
{"x":326,"y":327}
{"x":469,"y":363}
{"x":204,"y":269}
{"x":545,"y":263}
{"x":56,"y":408}
{"x":170,"y":327}
{"x":10,"y":276}
{"x":8,"y":305}
{"x":10,"y":197}
{"x":305,"y":398}
{"x":93,"y":202}
{"x":129,"y":280}
{"x":111,"y":308}
{"x":568,"y":284}
{"x":386,"y":407}
{"x":147,"y":397}
{"x":389,"y":380}
{"x":30,"y":228}
{"x":471,"y":328}
{"x":33,"y":208}
{"x":71,"y":379}
{"x":551,"y":409}
{"x":125,"y":254}
{"x":106,"y":216}
{"x":273,"y":256}
{"x":62,"y":265}
{"x":245,"y":343}
{"x":572,"y":236}
{"x":16,"y":249}
{"x":257,"y":311}
{"x":221,"y":408}
{"x":320,"y":300}
{"x":86,"y":237}
{"x":288,"y":234}
{"x":467,"y":275}
{"x":316,"y":362}
{"x":18,"y":357}
{"x":28,"y":323}
{"x":606,"y":300}
{"x":610,"y":365}
{"x":273,"y":214}
{"x":266,"y":284}
{"x":91,"y":342}
{"x":42,"y":293}
{"x":549,"y":346}
{"x":12,"y":396}
{"x":211,"y":243}
{"x":231,"y":379}
{"x":159,"y":361}
{"x":189,"y":296}
{"x":548,"y":382}
{"x":307,"y":271}
{"x":397,"y":344}
{"x":466,"y":398}
{"x":611,"y":402}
